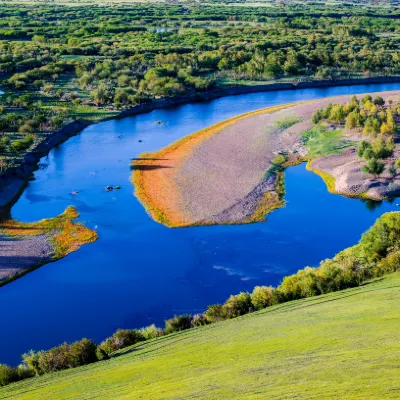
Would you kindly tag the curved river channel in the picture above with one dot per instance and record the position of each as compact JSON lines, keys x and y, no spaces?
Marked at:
{"x":140,"y":272}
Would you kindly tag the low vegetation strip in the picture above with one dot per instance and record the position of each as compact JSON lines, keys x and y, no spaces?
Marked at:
{"x":302,"y":349}
{"x":27,"y":245}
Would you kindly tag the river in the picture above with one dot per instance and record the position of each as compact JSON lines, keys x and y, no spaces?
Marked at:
{"x":140,"y":272}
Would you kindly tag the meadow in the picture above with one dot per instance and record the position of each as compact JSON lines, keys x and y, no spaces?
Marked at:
{"x":340,"y":345}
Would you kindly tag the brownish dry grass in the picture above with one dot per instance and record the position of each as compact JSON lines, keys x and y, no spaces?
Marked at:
{"x":65,"y":236}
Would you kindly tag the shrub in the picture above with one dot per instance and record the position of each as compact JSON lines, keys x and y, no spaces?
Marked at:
{"x":151,"y":332}
{"x":215,"y":313}
{"x":101,"y":354}
{"x":263,"y":296}
{"x":382,"y":237}
{"x":7,"y":375}
{"x":120,"y":339}
{"x":378,"y":101}
{"x":362,"y":147}
{"x":178,"y":323}
{"x":373,"y":167}
{"x":238,"y":305}
{"x":83,"y":352}
{"x":61,"y":357}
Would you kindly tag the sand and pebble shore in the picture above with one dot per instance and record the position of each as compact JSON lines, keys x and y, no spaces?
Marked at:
{"x":220,"y":175}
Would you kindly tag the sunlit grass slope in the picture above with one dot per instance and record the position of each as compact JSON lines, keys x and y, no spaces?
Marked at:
{"x":344,"y":345}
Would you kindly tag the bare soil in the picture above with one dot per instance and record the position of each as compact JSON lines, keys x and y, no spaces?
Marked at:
{"x":19,"y":254}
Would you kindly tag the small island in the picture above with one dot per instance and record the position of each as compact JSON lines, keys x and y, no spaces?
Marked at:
{"x":25,"y":246}
{"x":232,"y":172}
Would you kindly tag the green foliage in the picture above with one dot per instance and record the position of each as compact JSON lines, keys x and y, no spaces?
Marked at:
{"x":151,"y":332}
{"x":178,"y":323}
{"x":293,"y":348}
{"x":20,"y":145}
{"x":372,"y":117}
{"x":7,"y":375}
{"x":120,"y":339}
{"x":382,"y":238}
{"x":61,"y":357}
{"x":322,"y":141}
{"x":373,"y":167}
{"x":263,"y":296}
{"x":287,"y":122}
{"x":378,"y":101}
{"x":238,"y":305}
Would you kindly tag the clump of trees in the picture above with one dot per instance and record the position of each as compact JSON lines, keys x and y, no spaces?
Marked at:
{"x":369,"y":115}
{"x":375,"y":120}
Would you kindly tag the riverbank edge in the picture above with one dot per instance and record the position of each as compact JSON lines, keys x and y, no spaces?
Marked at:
{"x":65,"y":221}
{"x":186,"y":145}
{"x":14,"y":180}
{"x":330,"y":183}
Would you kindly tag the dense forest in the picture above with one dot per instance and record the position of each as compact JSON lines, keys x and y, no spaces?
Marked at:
{"x":60,"y":63}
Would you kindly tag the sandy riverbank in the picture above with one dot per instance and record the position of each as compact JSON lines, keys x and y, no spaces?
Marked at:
{"x":220,"y":174}
{"x":26,"y":246}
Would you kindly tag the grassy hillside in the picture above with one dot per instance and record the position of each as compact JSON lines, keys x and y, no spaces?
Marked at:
{"x":342,"y":345}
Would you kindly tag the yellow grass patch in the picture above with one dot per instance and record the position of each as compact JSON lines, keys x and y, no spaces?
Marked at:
{"x":327,"y":178}
{"x":64,"y":235}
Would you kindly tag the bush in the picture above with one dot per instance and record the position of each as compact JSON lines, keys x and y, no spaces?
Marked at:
{"x":382,"y":237}
{"x":238,"y":305}
{"x":151,"y":332}
{"x":178,"y":323}
{"x":101,"y":354}
{"x":200,"y":320}
{"x":215,"y":313}
{"x":120,"y":339}
{"x":373,"y":167}
{"x":7,"y":375}
{"x":61,"y":357}
{"x":378,"y":101}
{"x":263,"y":296}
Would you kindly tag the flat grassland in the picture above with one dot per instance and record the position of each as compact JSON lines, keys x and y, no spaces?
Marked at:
{"x":339,"y":346}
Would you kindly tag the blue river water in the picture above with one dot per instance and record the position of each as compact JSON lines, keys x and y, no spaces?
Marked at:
{"x":140,"y":272}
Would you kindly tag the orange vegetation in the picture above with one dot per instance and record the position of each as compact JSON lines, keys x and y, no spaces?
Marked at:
{"x":64,"y":235}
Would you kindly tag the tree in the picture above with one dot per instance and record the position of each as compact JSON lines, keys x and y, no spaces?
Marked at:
{"x":378,"y":101}
{"x":263,"y":296}
{"x":390,"y":121}
{"x":373,"y":167}
{"x":393,"y":170}
{"x":385,"y":130}
{"x":353,"y":120}
{"x":366,"y":98}
{"x":7,"y":375}
{"x":238,"y":305}
{"x":337,"y":113}
{"x":362,"y":147}
{"x":354,"y":103}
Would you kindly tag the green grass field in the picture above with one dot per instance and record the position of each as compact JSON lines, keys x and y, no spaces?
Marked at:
{"x":344,"y":345}
{"x":324,"y":142}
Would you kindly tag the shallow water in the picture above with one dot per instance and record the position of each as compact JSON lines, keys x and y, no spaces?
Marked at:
{"x":140,"y":272}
